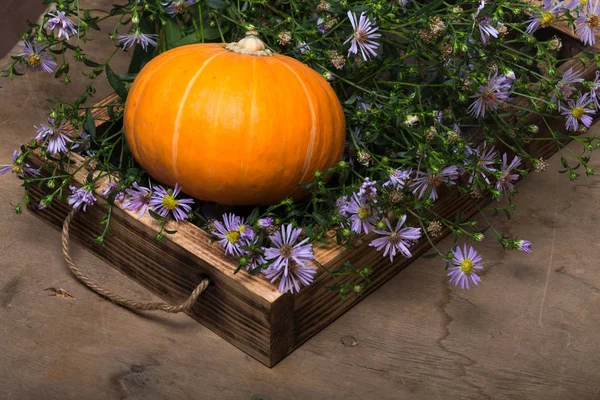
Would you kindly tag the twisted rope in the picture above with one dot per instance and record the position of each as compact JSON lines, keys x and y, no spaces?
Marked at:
{"x":130,"y":304}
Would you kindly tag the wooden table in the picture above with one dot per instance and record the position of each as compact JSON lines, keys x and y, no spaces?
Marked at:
{"x":530,"y":331}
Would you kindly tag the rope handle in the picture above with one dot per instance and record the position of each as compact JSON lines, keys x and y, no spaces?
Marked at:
{"x":129,"y":304}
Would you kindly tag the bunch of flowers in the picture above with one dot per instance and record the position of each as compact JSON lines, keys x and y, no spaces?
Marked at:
{"x":437,"y":96}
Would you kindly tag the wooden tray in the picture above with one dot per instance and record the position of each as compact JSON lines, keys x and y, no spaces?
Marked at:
{"x":245,"y":310}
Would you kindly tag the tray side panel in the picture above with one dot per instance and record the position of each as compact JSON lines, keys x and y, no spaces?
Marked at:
{"x":171,"y":273}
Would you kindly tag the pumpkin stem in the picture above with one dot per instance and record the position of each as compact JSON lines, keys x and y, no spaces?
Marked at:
{"x":250,"y":45}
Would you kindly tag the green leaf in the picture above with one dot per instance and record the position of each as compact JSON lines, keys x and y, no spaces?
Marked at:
{"x":253,"y":216}
{"x":116,"y":83}
{"x":172,"y":32}
{"x":89,"y":125}
{"x":127,"y":77}
{"x":90,"y":63}
{"x":218,"y":4}
{"x":189,"y":39}
{"x":351,"y":99}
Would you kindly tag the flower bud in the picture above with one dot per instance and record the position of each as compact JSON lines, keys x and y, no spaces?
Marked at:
{"x":357,"y":288}
{"x":478,"y":237}
{"x":380,"y":225}
{"x":533,"y":128}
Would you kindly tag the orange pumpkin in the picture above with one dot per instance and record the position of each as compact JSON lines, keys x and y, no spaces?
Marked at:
{"x":235,"y":124}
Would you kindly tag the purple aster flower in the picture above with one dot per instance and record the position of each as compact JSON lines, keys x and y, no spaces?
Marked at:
{"x":287,"y":252}
{"x":37,"y":57}
{"x":565,"y":87}
{"x":396,"y":240}
{"x":490,"y":96}
{"x":138,"y":199}
{"x":265,"y":222}
{"x":18,"y":167}
{"x":53,"y":137}
{"x":61,"y":22}
{"x":465,"y":263}
{"x":303,"y":47}
{"x":505,"y":182}
{"x":81,"y":197}
{"x":362,"y":214}
{"x":244,"y":229}
{"x":363,"y":37}
{"x":577,"y":112}
{"x":546,"y":16}
{"x":486,"y":29}
{"x":110,"y":188}
{"x":165,"y":202}
{"x":368,"y":190}
{"x":479,"y":8}
{"x":177,"y":6}
{"x":588,"y":22}
{"x":342,"y":206}
{"x":486,"y":156}
{"x":431,"y":180}
{"x":595,"y":90}
{"x":322,"y":25}
{"x":523,"y":245}
{"x":229,"y":235}
{"x":398,"y":179}
{"x":254,"y":259}
{"x":137,"y":37}
{"x":296,"y":274}
{"x":575,"y":4}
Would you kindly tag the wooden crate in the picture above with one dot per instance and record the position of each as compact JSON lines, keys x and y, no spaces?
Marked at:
{"x":245,"y":310}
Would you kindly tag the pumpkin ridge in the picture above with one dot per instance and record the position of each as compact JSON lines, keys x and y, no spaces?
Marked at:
{"x":313,"y":117}
{"x":251,"y":132}
{"x":176,"y":130}
{"x":133,"y":145}
{"x":333,"y":103}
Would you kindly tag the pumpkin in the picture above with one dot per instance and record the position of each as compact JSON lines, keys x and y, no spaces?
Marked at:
{"x":234,"y":124}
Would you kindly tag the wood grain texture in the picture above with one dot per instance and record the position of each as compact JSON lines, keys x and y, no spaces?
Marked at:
{"x":245,"y":310}
{"x":529,"y":332}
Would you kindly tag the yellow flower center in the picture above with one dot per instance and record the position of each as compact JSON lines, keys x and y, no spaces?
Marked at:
{"x":488,"y":97}
{"x":242,"y":228}
{"x":434,"y":180}
{"x":577,"y":112}
{"x":361,"y":36}
{"x":362,"y":212}
{"x":179,"y":7}
{"x":286,"y":250}
{"x":466,"y":266}
{"x":232,"y":236}
{"x":34,"y":59}
{"x":546,"y":18}
{"x":394,"y":238}
{"x":593,"y":22}
{"x":170,"y":202}
{"x":583,"y":3}
{"x":16,"y":169}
